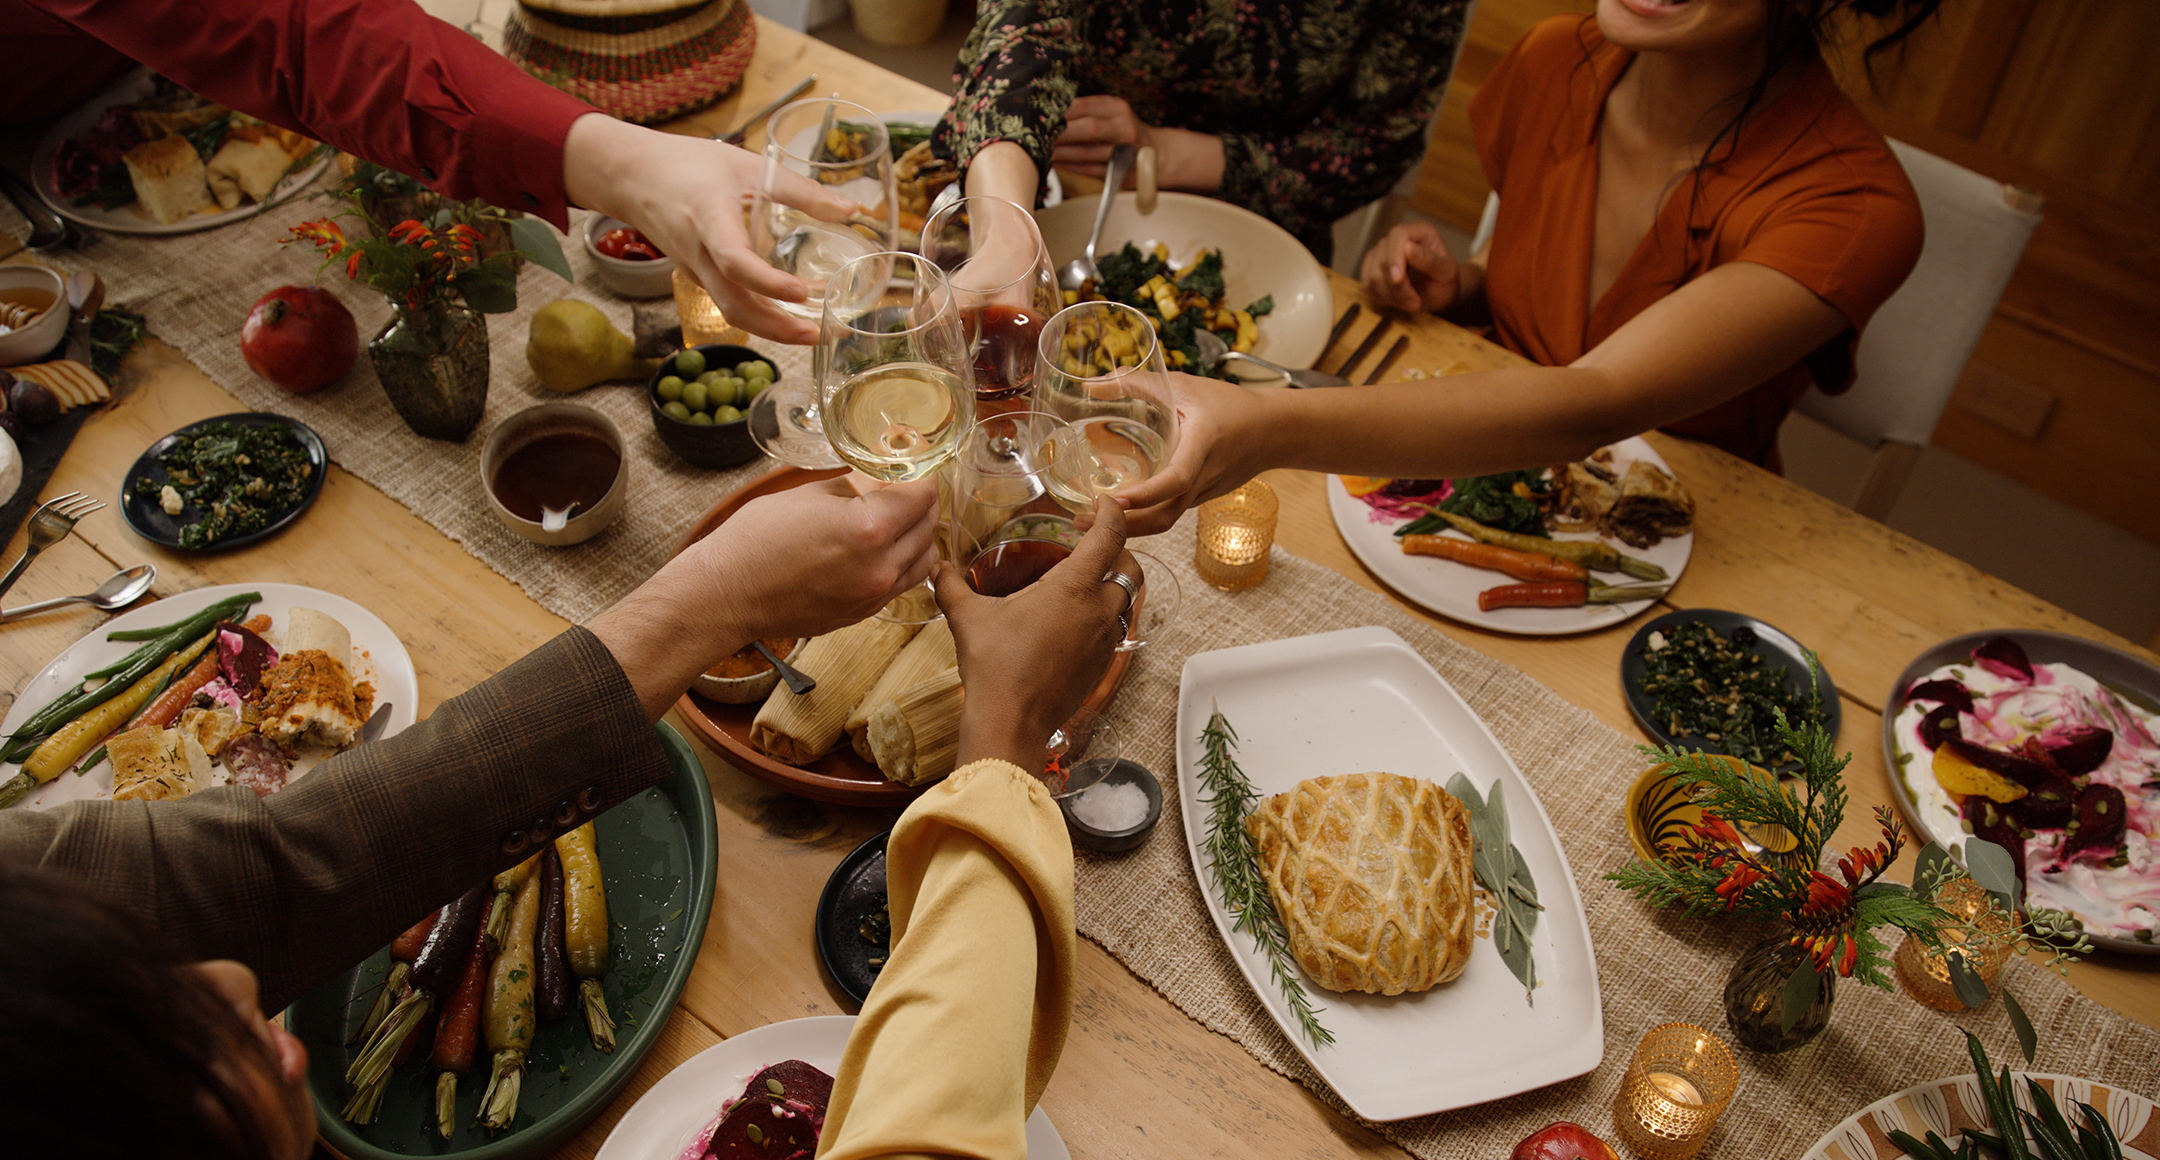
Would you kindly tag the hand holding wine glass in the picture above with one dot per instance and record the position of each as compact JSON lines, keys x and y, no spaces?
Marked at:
{"x":898,"y":400}
{"x":1102,"y":372}
{"x":1004,"y":285}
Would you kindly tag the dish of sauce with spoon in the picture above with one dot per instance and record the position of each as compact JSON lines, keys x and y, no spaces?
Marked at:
{"x":565,"y":471}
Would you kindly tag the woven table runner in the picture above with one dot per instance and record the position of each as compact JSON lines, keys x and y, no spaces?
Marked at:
{"x":1144,"y":906}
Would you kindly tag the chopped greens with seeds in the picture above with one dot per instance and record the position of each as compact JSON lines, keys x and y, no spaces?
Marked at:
{"x":232,"y":479}
{"x":1720,"y":689}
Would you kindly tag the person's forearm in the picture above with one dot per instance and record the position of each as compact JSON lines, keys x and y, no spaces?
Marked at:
{"x":1003,"y":169}
{"x":667,"y":631}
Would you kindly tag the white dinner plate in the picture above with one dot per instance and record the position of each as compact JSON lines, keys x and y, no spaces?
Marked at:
{"x":1942,"y":1105}
{"x":1260,"y":259}
{"x":377,"y":657}
{"x":129,"y":219}
{"x":1362,"y":699}
{"x":1451,"y":589}
{"x":672,"y":1112}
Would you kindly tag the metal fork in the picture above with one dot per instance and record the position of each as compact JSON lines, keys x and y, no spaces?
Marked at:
{"x":50,"y":524}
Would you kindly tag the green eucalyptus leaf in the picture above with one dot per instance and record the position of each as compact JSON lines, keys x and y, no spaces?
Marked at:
{"x":1965,"y":981}
{"x":2028,"y":1039}
{"x":489,"y":288}
{"x":1992,"y":869}
{"x":1800,"y":991}
{"x":536,"y":240}
{"x":1933,"y":864}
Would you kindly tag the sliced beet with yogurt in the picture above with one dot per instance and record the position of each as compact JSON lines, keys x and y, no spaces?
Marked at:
{"x":779,"y":1116}
{"x":2015,"y":766}
{"x":2097,"y":834}
{"x":1944,"y":690}
{"x":1941,"y":725}
{"x":242,"y":657}
{"x":2048,"y":806}
{"x":2080,"y":749}
{"x":1991,"y":822}
{"x":2005,"y":658}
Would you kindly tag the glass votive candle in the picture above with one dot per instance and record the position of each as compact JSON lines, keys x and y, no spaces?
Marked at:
{"x":1676,"y":1087}
{"x":701,"y":319}
{"x":1925,"y":974}
{"x":1234,"y":535}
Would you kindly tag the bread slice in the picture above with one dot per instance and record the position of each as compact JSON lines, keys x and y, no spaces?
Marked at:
{"x":169,"y":179}
{"x":1371,"y":874}
{"x":246,"y":169}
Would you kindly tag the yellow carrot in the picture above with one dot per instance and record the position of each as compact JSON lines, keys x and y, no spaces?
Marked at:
{"x":585,"y":928}
{"x":74,"y":739}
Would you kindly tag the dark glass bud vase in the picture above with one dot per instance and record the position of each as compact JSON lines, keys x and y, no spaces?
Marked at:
{"x":433,"y":363}
{"x":1755,"y":996}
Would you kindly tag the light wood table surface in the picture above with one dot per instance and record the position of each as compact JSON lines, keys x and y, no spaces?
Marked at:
{"x":1138,"y":1077}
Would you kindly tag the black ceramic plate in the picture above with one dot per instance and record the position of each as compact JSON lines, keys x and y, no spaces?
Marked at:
{"x":2132,"y":678}
{"x":150,"y":521}
{"x":855,"y":891}
{"x":1773,"y":645}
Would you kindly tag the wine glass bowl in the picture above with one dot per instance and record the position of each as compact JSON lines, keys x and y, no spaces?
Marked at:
{"x":1003,"y":284}
{"x":1002,"y":528}
{"x":1154,"y":608}
{"x":1102,"y":372}
{"x":897,"y":400}
{"x":1080,"y":753}
{"x":843,"y":147}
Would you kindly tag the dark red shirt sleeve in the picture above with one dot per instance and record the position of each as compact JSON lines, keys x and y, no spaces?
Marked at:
{"x":380,"y":79}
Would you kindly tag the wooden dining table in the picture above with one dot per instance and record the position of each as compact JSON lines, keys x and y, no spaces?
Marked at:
{"x":1138,"y":1077}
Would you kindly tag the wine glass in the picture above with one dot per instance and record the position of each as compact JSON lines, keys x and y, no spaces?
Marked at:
{"x":842,"y":146}
{"x":1005,"y":287}
{"x":1102,"y":372}
{"x":1003,"y":530}
{"x":1154,"y":607}
{"x":1082,"y":752}
{"x":897,"y":399}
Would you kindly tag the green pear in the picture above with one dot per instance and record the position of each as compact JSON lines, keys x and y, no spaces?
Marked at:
{"x":572,"y":346}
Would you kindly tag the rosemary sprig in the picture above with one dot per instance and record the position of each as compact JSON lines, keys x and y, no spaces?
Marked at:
{"x":1231,"y":799}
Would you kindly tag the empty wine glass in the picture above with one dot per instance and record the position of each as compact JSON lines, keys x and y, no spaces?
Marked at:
{"x":1005,"y":287}
{"x":897,"y":397}
{"x":843,"y":147}
{"x":1102,"y":372}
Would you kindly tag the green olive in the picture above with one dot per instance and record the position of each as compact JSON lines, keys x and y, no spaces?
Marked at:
{"x":752,"y":388}
{"x":727,"y":415}
{"x":700,"y":419}
{"x":756,"y":369}
{"x":690,"y":363}
{"x":670,"y":389}
{"x":675,"y":409}
{"x":695,"y":394}
{"x":722,"y":393}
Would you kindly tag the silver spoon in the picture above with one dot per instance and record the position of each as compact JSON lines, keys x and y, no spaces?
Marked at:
{"x":119,"y":590}
{"x":1080,"y":269}
{"x":798,"y":681}
{"x":1214,"y":350}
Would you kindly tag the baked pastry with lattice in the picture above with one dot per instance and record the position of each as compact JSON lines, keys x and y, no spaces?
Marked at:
{"x":1371,"y":874}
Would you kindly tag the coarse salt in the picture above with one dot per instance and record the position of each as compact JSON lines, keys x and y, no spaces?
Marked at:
{"x":1111,"y":806}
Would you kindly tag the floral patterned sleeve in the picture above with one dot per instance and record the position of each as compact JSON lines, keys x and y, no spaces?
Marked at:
{"x":1012,"y":81}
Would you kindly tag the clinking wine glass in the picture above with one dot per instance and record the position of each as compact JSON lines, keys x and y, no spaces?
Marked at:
{"x":1005,"y":287}
{"x":1003,"y":531}
{"x":897,"y":395}
{"x":1102,"y":372}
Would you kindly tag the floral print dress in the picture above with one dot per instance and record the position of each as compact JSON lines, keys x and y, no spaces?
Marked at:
{"x":1322,"y":105}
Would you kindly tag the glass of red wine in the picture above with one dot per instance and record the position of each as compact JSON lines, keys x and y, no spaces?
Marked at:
{"x":1080,"y":753}
{"x":1005,"y":288}
{"x":1002,"y":527}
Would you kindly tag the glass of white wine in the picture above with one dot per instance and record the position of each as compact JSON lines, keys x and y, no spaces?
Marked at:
{"x":898,"y":397}
{"x":1102,"y":372}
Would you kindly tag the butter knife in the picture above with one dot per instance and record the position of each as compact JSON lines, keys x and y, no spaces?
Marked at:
{"x":736,"y":135}
{"x":376,"y":723}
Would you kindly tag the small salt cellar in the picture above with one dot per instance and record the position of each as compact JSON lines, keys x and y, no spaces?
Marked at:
{"x":1117,"y":812}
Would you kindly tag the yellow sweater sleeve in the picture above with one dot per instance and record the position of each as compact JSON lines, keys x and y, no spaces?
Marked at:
{"x":970,"y":1012}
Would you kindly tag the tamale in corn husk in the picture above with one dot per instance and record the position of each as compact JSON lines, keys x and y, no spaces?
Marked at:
{"x":915,"y":737}
{"x":800,"y":728}
{"x":930,"y":653}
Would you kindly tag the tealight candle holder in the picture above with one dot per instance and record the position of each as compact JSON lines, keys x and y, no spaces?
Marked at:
{"x":1234,"y":535}
{"x":1925,"y":974}
{"x":1676,"y":1087}
{"x":702,"y":322}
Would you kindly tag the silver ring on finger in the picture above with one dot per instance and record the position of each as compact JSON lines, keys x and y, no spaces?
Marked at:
{"x":1131,"y":587}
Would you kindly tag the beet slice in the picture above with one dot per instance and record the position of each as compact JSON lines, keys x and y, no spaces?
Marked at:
{"x":2097,"y":834}
{"x":2049,"y":805}
{"x":1941,"y":725}
{"x":2005,"y":658}
{"x":1945,"y":690}
{"x":1991,"y":822}
{"x":242,"y":657}
{"x":2015,"y":766}
{"x":2081,"y":748}
{"x":786,"y":1122}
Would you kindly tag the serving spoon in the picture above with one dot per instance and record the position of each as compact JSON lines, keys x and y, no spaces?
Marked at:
{"x":1080,"y":269}
{"x":798,"y":681}
{"x":119,"y":590}
{"x":1214,"y":350}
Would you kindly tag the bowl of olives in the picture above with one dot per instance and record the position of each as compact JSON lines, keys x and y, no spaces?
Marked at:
{"x":698,"y":398}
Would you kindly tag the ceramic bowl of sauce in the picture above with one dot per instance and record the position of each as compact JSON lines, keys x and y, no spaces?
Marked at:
{"x":745,"y":676}
{"x":33,"y":313}
{"x":556,"y":473}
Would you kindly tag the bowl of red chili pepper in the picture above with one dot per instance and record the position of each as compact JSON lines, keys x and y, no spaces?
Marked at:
{"x":627,"y":261}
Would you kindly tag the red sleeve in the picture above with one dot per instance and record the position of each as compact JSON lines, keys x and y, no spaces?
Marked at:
{"x":380,"y":79}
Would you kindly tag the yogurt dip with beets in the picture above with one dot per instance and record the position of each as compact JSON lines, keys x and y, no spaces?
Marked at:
{"x":2113,"y":893}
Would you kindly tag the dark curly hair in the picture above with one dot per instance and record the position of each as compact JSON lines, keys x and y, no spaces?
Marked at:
{"x":1798,"y":29}
{"x":110,"y":1045}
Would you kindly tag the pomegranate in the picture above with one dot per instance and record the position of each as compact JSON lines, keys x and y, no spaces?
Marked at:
{"x":1562,"y":1140}
{"x":300,"y":337}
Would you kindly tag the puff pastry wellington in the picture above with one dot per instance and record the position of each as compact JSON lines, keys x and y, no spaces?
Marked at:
{"x":1371,"y":874}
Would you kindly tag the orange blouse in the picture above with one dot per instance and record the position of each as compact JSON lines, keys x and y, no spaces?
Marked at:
{"x":1812,"y":191}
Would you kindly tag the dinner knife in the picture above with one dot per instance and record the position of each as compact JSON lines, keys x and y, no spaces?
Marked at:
{"x":736,"y":135}
{"x":376,"y":723}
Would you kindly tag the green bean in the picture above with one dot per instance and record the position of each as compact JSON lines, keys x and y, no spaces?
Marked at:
{"x":78,"y":701}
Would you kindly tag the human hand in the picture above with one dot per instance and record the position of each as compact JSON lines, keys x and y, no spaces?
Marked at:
{"x":818,"y":557}
{"x":1219,"y":447}
{"x":689,"y":197}
{"x":1410,"y":269}
{"x":1028,"y":660}
{"x":1094,"y":125}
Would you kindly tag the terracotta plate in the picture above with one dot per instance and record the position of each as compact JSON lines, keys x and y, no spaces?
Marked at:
{"x":840,"y":776}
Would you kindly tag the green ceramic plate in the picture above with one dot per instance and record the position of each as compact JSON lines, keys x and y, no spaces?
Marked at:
{"x":657,"y":850}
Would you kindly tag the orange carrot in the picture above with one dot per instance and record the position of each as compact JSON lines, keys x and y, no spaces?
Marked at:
{"x":456,"y":1029}
{"x":1520,"y":565}
{"x":1564,"y":594}
{"x":407,"y":946}
{"x":165,"y":708}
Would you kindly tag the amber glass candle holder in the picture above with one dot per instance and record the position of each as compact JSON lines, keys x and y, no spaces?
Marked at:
{"x":1676,"y":1087}
{"x":701,"y":319}
{"x":1234,"y":536}
{"x":1925,"y":974}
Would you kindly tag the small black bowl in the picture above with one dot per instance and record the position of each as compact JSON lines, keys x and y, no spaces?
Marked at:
{"x":1114,"y":841}
{"x":722,"y":444}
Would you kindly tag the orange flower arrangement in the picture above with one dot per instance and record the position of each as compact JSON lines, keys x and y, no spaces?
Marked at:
{"x":418,"y":263}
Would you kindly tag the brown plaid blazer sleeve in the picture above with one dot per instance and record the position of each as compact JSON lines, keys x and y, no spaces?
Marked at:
{"x":306,"y":882}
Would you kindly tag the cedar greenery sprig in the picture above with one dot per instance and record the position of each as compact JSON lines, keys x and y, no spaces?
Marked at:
{"x":1231,"y":799}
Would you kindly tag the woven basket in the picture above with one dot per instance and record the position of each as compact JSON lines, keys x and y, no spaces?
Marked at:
{"x":640,"y":60}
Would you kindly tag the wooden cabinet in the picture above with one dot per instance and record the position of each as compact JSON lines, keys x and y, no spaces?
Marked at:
{"x":2063,"y":394}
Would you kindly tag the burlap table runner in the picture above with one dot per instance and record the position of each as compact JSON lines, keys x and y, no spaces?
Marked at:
{"x":1145,"y":906}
